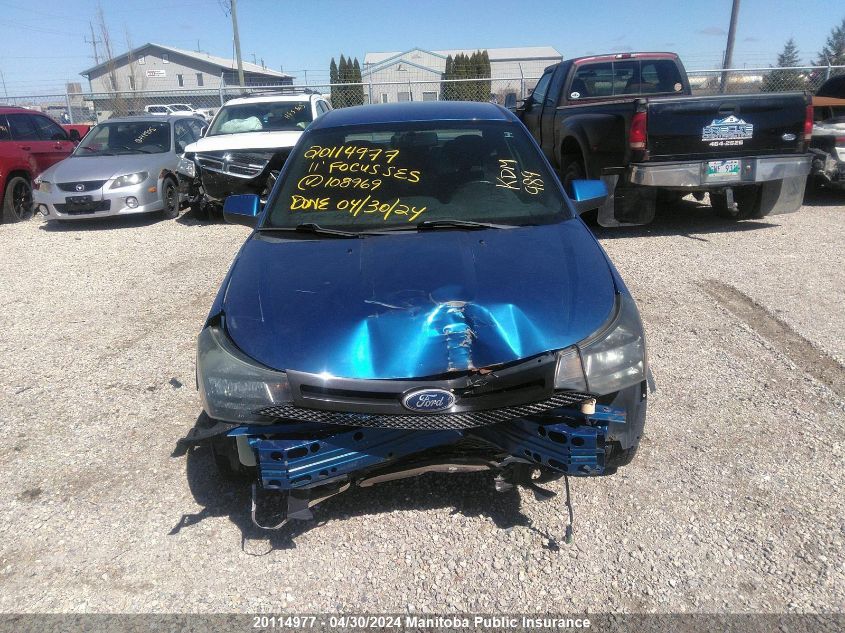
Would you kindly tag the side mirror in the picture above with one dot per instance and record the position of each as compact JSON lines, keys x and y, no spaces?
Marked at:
{"x":588,"y":194}
{"x":510,"y":101}
{"x":242,"y":209}
{"x":203,"y":130}
{"x":74,"y":135}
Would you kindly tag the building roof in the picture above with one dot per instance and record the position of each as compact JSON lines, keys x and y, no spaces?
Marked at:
{"x":495,"y":54}
{"x":413,"y":111}
{"x":220,"y":62}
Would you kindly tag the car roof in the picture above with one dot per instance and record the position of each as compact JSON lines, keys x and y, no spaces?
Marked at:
{"x":274,"y":99}
{"x":17,"y":110}
{"x":624,"y":57}
{"x":151,"y":118}
{"x":414,"y":111}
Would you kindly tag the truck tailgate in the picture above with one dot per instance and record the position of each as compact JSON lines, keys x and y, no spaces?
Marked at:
{"x":725,"y":126}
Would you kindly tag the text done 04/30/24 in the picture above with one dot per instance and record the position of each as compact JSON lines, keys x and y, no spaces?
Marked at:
{"x":355,"y":207}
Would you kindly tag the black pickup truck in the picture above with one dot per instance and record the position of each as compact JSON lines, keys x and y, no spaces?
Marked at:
{"x":631,"y":120}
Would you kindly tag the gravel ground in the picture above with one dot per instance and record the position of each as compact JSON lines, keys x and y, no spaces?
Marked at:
{"x":734,"y":503}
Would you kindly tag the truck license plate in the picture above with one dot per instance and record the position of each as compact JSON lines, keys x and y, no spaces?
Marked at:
{"x":723,"y":169}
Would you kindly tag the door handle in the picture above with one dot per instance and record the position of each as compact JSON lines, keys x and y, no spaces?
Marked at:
{"x":26,"y":148}
{"x":59,"y":146}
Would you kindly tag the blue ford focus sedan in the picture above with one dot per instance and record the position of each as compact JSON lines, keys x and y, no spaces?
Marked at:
{"x":418,"y":294}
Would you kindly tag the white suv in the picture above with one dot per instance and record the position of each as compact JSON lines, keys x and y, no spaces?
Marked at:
{"x":246,"y":145}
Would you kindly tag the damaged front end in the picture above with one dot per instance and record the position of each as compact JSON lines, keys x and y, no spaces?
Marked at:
{"x":308,"y":436}
{"x":827,"y":149}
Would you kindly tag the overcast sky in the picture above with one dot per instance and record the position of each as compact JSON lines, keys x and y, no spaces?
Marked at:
{"x":42,"y":44}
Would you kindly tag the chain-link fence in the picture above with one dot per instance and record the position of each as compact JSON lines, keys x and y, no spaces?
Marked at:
{"x":754,"y":80}
{"x":94,"y":107}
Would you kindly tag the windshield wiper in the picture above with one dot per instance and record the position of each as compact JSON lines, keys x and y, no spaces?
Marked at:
{"x":448,"y":223}
{"x":461,"y":224}
{"x":310,"y":227}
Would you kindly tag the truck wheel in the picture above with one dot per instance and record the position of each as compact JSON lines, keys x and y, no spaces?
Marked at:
{"x":17,"y":200}
{"x":747,"y":204}
{"x":224,"y":449}
{"x":572,"y":170}
{"x":170,"y":198}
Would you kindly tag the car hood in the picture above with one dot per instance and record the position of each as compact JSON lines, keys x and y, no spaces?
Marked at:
{"x":82,"y":168}
{"x":245,"y":140}
{"x":416,"y":305}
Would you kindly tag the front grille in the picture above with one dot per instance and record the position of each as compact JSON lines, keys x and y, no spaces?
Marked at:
{"x":93,"y":207}
{"x":425,"y":422}
{"x":239,"y":165}
{"x":87,"y":185}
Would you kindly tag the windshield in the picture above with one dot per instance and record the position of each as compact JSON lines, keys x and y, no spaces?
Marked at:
{"x":293,"y":116}
{"x":134,"y":137}
{"x":180,"y":107}
{"x":366,"y":178}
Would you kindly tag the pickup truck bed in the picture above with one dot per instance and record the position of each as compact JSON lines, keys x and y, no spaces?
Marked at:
{"x":748,"y":151}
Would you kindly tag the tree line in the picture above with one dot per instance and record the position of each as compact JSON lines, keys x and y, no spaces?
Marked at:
{"x":461,"y":76}
{"x":831,"y":54}
{"x":461,"y":67}
{"x":348,"y":71}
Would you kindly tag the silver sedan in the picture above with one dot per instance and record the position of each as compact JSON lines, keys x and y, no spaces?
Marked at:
{"x":122,"y":166}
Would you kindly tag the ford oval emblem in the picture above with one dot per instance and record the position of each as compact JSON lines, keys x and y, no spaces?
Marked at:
{"x":428,"y":400}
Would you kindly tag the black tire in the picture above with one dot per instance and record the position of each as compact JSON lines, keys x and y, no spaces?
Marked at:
{"x":17,"y":200}
{"x":572,"y":170}
{"x":170,"y":198}
{"x":747,"y":202}
{"x":199,"y":209}
{"x":224,"y":449}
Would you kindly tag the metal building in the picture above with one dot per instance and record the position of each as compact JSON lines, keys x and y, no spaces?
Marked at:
{"x":416,"y":74}
{"x":158,"y":67}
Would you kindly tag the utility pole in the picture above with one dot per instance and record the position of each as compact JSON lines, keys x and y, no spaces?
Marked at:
{"x":729,"y":49}
{"x":3,"y":79}
{"x":234,"y":7}
{"x":93,"y":42}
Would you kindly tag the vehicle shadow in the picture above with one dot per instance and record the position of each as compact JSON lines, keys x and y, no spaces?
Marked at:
{"x":468,"y":494}
{"x":686,"y":218}
{"x":817,"y":196}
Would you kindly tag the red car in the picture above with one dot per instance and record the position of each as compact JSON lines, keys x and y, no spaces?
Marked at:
{"x":30,"y":142}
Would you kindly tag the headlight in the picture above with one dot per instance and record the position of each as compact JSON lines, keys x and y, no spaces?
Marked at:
{"x":129,"y":179}
{"x":43,"y":186}
{"x":611,"y":360}
{"x":232,"y":385}
{"x":186,"y":167}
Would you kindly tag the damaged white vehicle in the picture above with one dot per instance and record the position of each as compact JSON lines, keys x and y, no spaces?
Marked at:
{"x":828,"y":142}
{"x":245,"y":146}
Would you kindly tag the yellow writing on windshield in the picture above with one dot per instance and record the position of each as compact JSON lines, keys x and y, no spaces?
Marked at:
{"x":510,"y":174}
{"x":355,"y":207}
{"x":350,"y":151}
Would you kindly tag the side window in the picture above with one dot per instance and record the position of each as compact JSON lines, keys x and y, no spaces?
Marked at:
{"x":591,"y":80}
{"x":184,"y":135}
{"x":542,"y":87}
{"x":661,"y":75}
{"x":196,"y":127}
{"x":48,"y":129}
{"x":4,"y":129}
{"x":22,"y":127}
